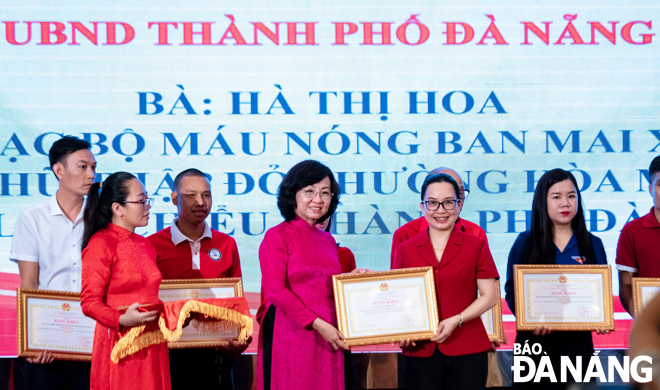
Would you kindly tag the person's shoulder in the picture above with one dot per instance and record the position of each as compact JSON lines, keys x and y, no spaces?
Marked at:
{"x":524,"y":235}
{"x":634,"y":225}
{"x":473,"y":226}
{"x":416,"y":240}
{"x":471,"y":238}
{"x":344,"y":250}
{"x":221,"y":237}
{"x":595,"y":240}
{"x":104,"y":237}
{"x":35,"y":208}
{"x":284,"y":229}
{"x":159,"y":236}
{"x":327,"y":236}
{"x":522,"y":238}
{"x":411,"y":226}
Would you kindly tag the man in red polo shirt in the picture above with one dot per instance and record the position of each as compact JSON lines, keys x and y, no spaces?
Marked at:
{"x":637,"y":251}
{"x":190,"y":249}
{"x":416,"y":226}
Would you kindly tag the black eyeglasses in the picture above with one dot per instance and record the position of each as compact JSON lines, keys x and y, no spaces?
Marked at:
{"x":146,"y":203}
{"x":433,"y":205}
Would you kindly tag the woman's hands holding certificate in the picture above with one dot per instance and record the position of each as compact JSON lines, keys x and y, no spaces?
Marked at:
{"x":360,"y":271}
{"x":445,"y":327}
{"x":330,"y":334}
{"x":541,"y":331}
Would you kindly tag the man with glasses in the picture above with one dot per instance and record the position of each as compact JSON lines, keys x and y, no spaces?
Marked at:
{"x":190,"y":249}
{"x":416,"y":226}
{"x":46,"y":246}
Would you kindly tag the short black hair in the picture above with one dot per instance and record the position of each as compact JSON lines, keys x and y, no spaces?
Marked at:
{"x":303,"y":174}
{"x":654,"y":168}
{"x":188,"y":172}
{"x":440,"y":178}
{"x":64,"y":147}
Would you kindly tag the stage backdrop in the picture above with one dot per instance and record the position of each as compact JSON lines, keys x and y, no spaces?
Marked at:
{"x":381,"y":92}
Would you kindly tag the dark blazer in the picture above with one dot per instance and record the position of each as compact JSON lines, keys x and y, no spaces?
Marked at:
{"x":465,"y":259}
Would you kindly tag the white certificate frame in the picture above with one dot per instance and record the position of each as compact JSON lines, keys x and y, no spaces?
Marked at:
{"x":643,"y":292}
{"x":179,"y":289}
{"x":565,"y":273}
{"x":428,"y":302}
{"x":69,"y":304}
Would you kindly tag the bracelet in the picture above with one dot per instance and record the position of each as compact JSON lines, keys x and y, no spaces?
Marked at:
{"x":461,"y":322}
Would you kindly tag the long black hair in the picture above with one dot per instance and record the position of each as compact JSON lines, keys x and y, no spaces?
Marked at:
{"x":540,"y":246}
{"x":98,"y":212}
{"x":303,"y":174}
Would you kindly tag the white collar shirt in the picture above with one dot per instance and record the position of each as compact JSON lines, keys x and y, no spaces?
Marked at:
{"x":195,"y":246}
{"x":43,"y":234}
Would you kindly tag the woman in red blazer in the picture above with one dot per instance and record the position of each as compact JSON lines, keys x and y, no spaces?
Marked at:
{"x":462,"y":266}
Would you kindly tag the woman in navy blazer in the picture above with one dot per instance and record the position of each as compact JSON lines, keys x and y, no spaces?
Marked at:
{"x":558,"y":235}
{"x":462,"y":266}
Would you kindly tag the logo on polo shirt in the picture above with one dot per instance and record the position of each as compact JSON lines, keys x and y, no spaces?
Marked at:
{"x":215,"y":254}
{"x":579,"y":259}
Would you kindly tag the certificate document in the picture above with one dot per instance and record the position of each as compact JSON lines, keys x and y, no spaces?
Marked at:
{"x":489,"y":321}
{"x":198,"y":333}
{"x":492,"y":319}
{"x":53,"y":321}
{"x":644,"y":289}
{"x":564,"y":297}
{"x":379,"y":307}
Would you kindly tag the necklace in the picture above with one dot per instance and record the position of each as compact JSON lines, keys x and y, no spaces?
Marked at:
{"x":439,"y":249}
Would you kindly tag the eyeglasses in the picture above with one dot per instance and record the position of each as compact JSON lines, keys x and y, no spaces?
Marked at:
{"x":432,"y":205}
{"x":311,"y":194}
{"x":146,"y":203}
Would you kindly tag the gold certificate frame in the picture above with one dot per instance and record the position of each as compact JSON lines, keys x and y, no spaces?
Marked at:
{"x":385,"y":307}
{"x":644,"y":289}
{"x":53,"y":321}
{"x":564,"y":297}
{"x":195,"y":335}
{"x":492,"y":319}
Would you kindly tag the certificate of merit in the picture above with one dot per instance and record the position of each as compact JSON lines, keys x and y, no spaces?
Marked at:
{"x":55,"y":325}
{"x":380,"y":307}
{"x":53,"y":321}
{"x":564,"y":297}
{"x":393,"y":306}
{"x":644,"y":289}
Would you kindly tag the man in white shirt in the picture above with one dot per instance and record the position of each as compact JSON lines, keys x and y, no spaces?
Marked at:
{"x":46,"y":246}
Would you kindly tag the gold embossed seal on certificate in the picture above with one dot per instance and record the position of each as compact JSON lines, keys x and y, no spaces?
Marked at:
{"x":388,"y":306}
{"x":53,"y":321}
{"x":202,"y":334}
{"x":564,"y":297}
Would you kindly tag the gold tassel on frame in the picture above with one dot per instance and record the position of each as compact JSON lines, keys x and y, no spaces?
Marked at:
{"x":135,"y":341}
{"x":219,"y":313}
